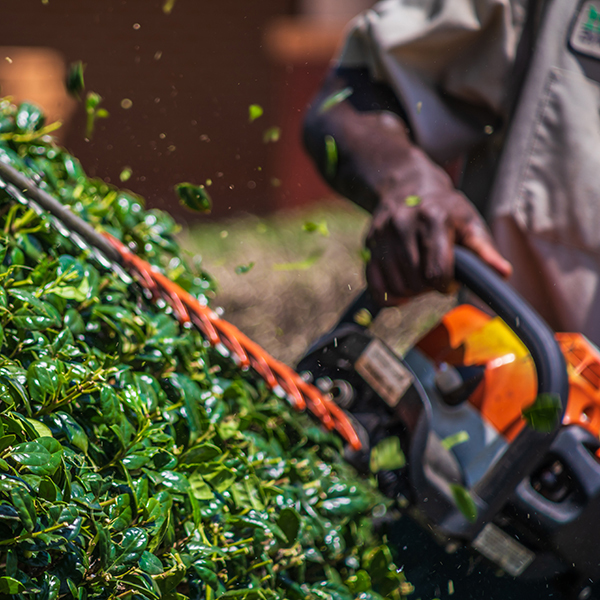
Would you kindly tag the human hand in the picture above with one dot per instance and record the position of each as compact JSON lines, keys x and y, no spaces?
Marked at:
{"x":419,"y":218}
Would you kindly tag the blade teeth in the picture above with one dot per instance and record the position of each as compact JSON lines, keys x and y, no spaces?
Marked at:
{"x":60,"y":228}
{"x":63,"y":230}
{"x":222,"y":350}
{"x":79,"y":241}
{"x":15,"y":193}
{"x":104,"y":262}
{"x":123,"y":275}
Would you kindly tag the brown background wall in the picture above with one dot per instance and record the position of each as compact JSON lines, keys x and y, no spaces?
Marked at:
{"x":190,"y":74}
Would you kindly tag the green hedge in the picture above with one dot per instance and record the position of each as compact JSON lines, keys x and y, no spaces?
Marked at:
{"x":136,"y":462}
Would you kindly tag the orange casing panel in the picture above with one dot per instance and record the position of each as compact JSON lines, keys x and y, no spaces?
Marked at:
{"x":467,"y":336}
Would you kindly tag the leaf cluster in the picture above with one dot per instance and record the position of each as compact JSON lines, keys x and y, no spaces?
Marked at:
{"x":135,"y":461}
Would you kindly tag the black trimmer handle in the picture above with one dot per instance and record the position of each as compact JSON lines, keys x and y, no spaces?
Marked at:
{"x":526,"y":451}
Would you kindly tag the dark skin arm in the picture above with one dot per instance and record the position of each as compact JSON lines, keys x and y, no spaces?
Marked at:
{"x":379,"y":167}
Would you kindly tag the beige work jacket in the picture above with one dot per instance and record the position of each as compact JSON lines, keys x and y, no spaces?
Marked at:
{"x":452,"y":65}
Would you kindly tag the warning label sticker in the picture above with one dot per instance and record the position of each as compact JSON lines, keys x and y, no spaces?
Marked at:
{"x":504,"y":550}
{"x":384,"y":372}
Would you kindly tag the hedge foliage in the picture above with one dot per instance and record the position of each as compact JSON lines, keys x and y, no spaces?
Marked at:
{"x":135,"y":461}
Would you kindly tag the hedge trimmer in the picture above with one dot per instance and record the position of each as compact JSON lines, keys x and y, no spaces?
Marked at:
{"x":498,"y":438}
{"x":113,"y":254}
{"x":487,"y":431}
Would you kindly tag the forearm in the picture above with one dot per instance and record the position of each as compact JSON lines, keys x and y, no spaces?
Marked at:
{"x":372,"y":148}
{"x":367,"y":155}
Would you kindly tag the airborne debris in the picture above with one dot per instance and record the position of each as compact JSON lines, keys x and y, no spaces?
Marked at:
{"x":271,"y":135}
{"x":301,"y":265}
{"x":243,"y":269}
{"x":74,"y":81}
{"x":255,"y":111}
{"x":331,"y":154}
{"x":92,"y":102}
{"x":194,"y":197}
{"x":168,"y":6}
{"x":321,"y":227}
{"x":335,"y":98}
{"x":125,"y":174}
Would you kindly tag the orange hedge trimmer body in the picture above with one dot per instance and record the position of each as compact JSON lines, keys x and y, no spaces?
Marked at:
{"x":467,"y":336}
{"x":498,"y":420}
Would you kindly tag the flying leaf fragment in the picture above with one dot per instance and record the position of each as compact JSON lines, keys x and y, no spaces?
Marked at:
{"x":272,"y":134}
{"x":74,"y":82}
{"x":10,"y":586}
{"x":334,"y":99}
{"x":544,"y":414}
{"x":321,"y":228}
{"x":363,"y":317}
{"x":456,"y":438}
{"x":365,"y":254}
{"x":243,"y":269}
{"x":464,"y":502}
{"x":302,"y":265}
{"x":254,"y":112}
{"x":92,"y":102}
{"x":168,"y":6}
{"x":387,"y":455}
{"x":194,"y":197}
{"x":412,"y":200}
{"x":125,"y":174}
{"x":331,"y":156}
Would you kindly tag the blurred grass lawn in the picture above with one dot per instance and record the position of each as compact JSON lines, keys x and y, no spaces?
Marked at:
{"x":285,"y":279}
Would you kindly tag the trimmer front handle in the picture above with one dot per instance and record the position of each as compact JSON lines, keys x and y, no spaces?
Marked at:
{"x":530,"y":446}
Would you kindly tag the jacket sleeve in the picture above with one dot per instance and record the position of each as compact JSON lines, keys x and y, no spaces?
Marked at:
{"x":448,"y":61}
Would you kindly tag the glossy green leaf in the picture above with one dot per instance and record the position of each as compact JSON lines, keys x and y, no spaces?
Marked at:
{"x":36,"y":457}
{"x":464,"y":502}
{"x":331,"y":156}
{"x":8,"y":585}
{"x":29,"y":117}
{"x":243,"y":269}
{"x":194,"y":197}
{"x":544,"y":414}
{"x":255,"y":111}
{"x":133,"y":545}
{"x":271,"y":135}
{"x":302,"y":265}
{"x":23,"y":503}
{"x":289,"y":523}
{"x":125,"y":174}
{"x":412,"y":200}
{"x":150,"y":564}
{"x":44,"y":379}
{"x":387,"y":455}
{"x":335,"y":98}
{"x":460,"y":437}
{"x":75,"y":83}
{"x":200,"y":454}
